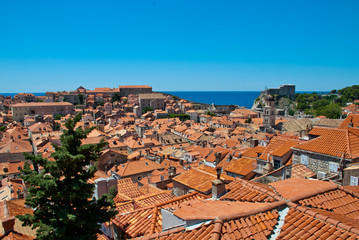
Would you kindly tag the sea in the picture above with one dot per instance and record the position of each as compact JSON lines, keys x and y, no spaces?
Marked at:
{"x":240,"y":98}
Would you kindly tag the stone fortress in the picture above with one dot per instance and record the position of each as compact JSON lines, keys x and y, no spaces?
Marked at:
{"x":287,"y":90}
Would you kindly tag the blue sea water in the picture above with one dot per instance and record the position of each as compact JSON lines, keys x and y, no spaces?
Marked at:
{"x":13,"y":94}
{"x":240,"y":98}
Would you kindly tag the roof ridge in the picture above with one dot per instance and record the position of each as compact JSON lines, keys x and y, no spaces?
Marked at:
{"x":313,"y":193}
{"x":176,"y":199}
{"x":348,"y":191}
{"x":217,"y":229}
{"x":323,"y":218}
{"x":348,"y":142}
{"x":164,"y":233}
{"x":140,"y":198}
{"x":274,"y":194}
{"x":267,"y":207}
{"x":202,"y":171}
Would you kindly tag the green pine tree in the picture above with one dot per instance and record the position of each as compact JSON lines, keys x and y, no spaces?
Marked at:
{"x":60,"y":193}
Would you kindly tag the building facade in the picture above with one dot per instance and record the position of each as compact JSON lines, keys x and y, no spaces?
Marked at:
{"x":134,"y":89}
{"x":20,"y":110}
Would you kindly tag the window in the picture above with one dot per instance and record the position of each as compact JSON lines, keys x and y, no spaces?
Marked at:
{"x":333,"y":167}
{"x":304,"y":160}
{"x":354,"y":181}
{"x":277,"y":164}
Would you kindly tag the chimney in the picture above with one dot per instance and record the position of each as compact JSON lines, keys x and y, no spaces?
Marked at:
{"x":172,"y":171}
{"x":253,"y":142}
{"x":350,"y":124}
{"x":218,"y":156}
{"x":8,"y":224}
{"x":218,"y":189}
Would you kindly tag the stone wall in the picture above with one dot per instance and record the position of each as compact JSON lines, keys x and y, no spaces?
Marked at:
{"x":316,"y":162}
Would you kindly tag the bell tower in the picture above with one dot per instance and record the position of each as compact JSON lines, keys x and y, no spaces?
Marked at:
{"x":269,"y":112}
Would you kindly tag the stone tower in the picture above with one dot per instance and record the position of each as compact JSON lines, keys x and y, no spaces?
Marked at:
{"x":269,"y":112}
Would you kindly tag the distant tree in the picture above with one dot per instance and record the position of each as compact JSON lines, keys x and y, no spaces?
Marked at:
{"x":39,"y":100}
{"x":60,"y":193}
{"x":116,"y":97}
{"x":2,"y":128}
{"x":175,"y":98}
{"x":146,"y":109}
{"x":332,"y":110}
{"x":56,"y":127}
{"x":249,"y":120}
{"x":210,"y":113}
{"x":291,"y":112}
{"x":58,"y":117}
{"x":81,"y":98}
{"x":333,"y":91}
{"x":182,"y":117}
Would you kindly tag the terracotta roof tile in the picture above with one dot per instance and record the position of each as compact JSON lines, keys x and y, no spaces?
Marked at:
{"x":279,"y":146}
{"x":336,"y":201}
{"x":241,"y":228}
{"x":239,"y":191}
{"x":200,"y":178}
{"x":242,"y":166}
{"x":333,"y":142}
{"x":148,"y":220}
{"x":211,"y":209}
{"x":253,"y":152}
{"x":127,"y":188}
{"x":301,"y":171}
{"x":299,"y":225}
{"x":299,"y":188}
{"x":136,"y":167}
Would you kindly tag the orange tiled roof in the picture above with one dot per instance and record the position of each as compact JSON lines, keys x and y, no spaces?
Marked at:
{"x":301,"y":171}
{"x":333,"y":142}
{"x":211,"y":209}
{"x":15,"y":236}
{"x":240,"y":190}
{"x":336,"y":201}
{"x":136,"y":167}
{"x":148,"y":220}
{"x":258,"y":226}
{"x":126,"y":187}
{"x":253,"y":152}
{"x":151,"y":200}
{"x":300,"y":225}
{"x":200,"y":178}
{"x":294,"y":188}
{"x":353,"y":118}
{"x":242,"y":166}
{"x":279,"y":145}
{"x":284,"y":148}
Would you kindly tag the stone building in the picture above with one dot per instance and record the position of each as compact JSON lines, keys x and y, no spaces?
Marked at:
{"x":26,"y":97}
{"x":269,"y":112}
{"x":153,"y":100}
{"x":328,"y":151}
{"x":134,"y":89}
{"x":287,"y":90}
{"x":19,"y":110}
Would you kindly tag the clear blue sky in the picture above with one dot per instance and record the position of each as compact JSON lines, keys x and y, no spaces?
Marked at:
{"x":178,"y":45}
